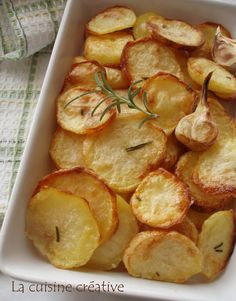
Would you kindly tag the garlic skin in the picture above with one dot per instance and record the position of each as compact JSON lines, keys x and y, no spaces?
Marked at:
{"x":198,"y":131}
{"x":224,"y":51}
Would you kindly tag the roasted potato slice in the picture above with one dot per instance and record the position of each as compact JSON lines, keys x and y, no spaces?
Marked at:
{"x":164,"y":256}
{"x":198,"y":217}
{"x":62,"y":228}
{"x":111,"y":19}
{"x":106,"y":49}
{"x":216,"y":242}
{"x":208,"y":30}
{"x":222,"y":81}
{"x":170,"y":98}
{"x":141,"y":29}
{"x":203,"y":200}
{"x":109,"y":255}
{"x":74,"y":111}
{"x":116,"y":79}
{"x":173,"y":152}
{"x":123,"y":154}
{"x":175,"y":33}
{"x":161,"y":200}
{"x":86,"y":184}
{"x":144,"y":58}
{"x":187,"y":228}
{"x":66,"y":149}
{"x":78,"y":59}
{"x":216,"y":168}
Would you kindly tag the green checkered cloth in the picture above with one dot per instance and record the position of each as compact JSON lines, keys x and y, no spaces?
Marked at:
{"x":27,"y":31}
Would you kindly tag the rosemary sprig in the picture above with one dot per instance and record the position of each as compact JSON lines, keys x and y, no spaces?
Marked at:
{"x":138,"y":146}
{"x":116,"y":99}
{"x":217,"y":248}
{"x":57,"y":234}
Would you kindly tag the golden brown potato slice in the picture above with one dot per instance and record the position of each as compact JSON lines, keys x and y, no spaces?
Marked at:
{"x":164,"y":256}
{"x":116,"y":79}
{"x":106,"y":49}
{"x":198,"y":217}
{"x":111,"y":19}
{"x":203,"y":200}
{"x":109,"y":255}
{"x":170,"y":98}
{"x":175,"y":33}
{"x":144,"y":58}
{"x":62,"y":228}
{"x":66,"y":149}
{"x":74,"y":111}
{"x":173,"y":152}
{"x":187,"y":228}
{"x":86,"y":184}
{"x":208,"y":30}
{"x":216,"y":242}
{"x":222,"y":81}
{"x":123,"y":154}
{"x":78,"y":59}
{"x":161,"y":200}
{"x":141,"y":29}
{"x":216,"y":168}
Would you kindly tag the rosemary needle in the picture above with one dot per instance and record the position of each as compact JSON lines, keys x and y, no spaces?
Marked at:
{"x":138,"y":146}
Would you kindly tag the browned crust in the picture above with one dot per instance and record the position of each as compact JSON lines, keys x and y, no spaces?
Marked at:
{"x":89,"y":31}
{"x":215,"y":25}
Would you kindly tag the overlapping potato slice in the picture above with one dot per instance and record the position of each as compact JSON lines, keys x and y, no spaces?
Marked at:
{"x":116,"y":79}
{"x":222,"y":81}
{"x":216,"y":242}
{"x":109,"y":255}
{"x":170,"y":98}
{"x":106,"y":49}
{"x":78,"y":59}
{"x":86,"y":184}
{"x":74,"y":111}
{"x":216,"y":168}
{"x":203,"y":200}
{"x":66,"y":149}
{"x":62,"y":228}
{"x":111,"y":19}
{"x":123,"y":153}
{"x":144,"y":58}
{"x":140,"y":29}
{"x":161,"y":200}
{"x":198,"y":217}
{"x":164,"y":256}
{"x":173,"y":152}
{"x":208,"y":30}
{"x":175,"y":33}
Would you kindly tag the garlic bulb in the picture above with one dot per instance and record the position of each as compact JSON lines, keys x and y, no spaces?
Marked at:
{"x":224,"y":50}
{"x":198,"y":131}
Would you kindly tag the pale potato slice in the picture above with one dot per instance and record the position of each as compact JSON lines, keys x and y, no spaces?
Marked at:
{"x":109,"y":255}
{"x":187,"y":228}
{"x":66,"y":149}
{"x":198,"y":217}
{"x":106,"y":49}
{"x":78,"y":59}
{"x":141,"y":29}
{"x":208,"y":30}
{"x":124,"y":153}
{"x":216,"y":242}
{"x":116,"y":79}
{"x":164,"y":256}
{"x":170,"y":98}
{"x":144,"y":58}
{"x":86,"y":184}
{"x":62,"y":228}
{"x":111,"y":19}
{"x":74,"y":111}
{"x":175,"y":33}
{"x":173,"y":152}
{"x":216,"y":168}
{"x":161,"y":200}
{"x":222,"y":81}
{"x":203,"y":200}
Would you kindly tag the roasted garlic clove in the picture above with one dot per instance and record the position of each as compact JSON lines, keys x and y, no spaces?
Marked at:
{"x":198,"y":131}
{"x":224,"y":50}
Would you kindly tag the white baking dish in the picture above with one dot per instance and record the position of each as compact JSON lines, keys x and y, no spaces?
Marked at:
{"x":17,"y":257}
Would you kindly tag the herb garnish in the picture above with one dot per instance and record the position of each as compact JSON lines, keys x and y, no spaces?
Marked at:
{"x":82,"y":112}
{"x":57,"y":234}
{"x":157,"y":274}
{"x":217,"y":247}
{"x":138,"y":198}
{"x":138,"y":146}
{"x":116,"y":99}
